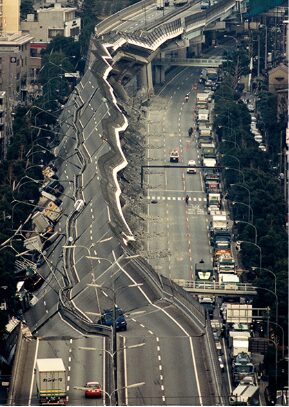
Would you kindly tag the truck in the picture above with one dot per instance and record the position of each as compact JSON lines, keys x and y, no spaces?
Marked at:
{"x":212,"y":74}
{"x":239,"y":342}
{"x":242,"y":366}
{"x":51,"y":381}
{"x":218,"y":222}
{"x":208,"y":303}
{"x":203,"y":116}
{"x":226,"y":264}
{"x":245,"y":394}
{"x":203,"y":271}
{"x":160,"y":4}
{"x":209,"y":162}
{"x":202,"y":101}
{"x":214,"y":201}
{"x":230,"y":281}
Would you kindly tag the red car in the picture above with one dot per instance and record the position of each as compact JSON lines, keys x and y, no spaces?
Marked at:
{"x":93,"y":389}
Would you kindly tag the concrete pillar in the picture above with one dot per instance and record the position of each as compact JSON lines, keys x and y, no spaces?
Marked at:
{"x":145,"y":80}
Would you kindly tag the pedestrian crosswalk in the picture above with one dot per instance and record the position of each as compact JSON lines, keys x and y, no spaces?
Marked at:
{"x":176,"y":198}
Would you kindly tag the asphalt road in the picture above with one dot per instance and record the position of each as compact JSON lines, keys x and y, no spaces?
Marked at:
{"x":171,"y":363}
{"x":177,"y":233}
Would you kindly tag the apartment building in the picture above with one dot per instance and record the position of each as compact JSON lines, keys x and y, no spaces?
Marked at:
{"x":5,"y":124}
{"x":10,"y":16}
{"x":46,"y":23}
{"x":14,"y":63}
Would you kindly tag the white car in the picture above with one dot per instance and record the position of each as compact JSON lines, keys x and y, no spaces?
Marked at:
{"x":259,"y":139}
{"x":262,"y":147}
{"x":79,"y":205}
{"x":192,"y":169}
{"x":253,"y":119}
{"x":250,"y":107}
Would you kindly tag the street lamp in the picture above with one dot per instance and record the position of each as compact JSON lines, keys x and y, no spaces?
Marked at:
{"x":242,"y":203}
{"x":276,"y":300}
{"x":283,"y":336}
{"x":230,"y":36}
{"x":236,"y":169}
{"x":251,"y":224}
{"x":231,"y":141}
{"x":271,"y":272}
{"x":232,"y":156}
{"x":239,"y":242}
{"x":249,"y":194}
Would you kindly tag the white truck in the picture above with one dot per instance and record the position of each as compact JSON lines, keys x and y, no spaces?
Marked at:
{"x":203,"y":116}
{"x":160,"y":4}
{"x":51,"y":381}
{"x":230,"y":281}
{"x":202,"y":100}
{"x":209,"y":162}
{"x":240,"y":342}
{"x":218,"y":222}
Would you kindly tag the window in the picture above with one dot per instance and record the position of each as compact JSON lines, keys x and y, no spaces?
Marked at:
{"x":52,"y":33}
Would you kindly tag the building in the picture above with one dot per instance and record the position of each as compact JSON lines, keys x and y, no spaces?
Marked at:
{"x":14,"y":64}
{"x":9,"y":16}
{"x":46,"y":23}
{"x":5,"y":124}
{"x":278,"y":78}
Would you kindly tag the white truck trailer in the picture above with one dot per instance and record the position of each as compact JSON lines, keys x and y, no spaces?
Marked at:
{"x":51,"y":381}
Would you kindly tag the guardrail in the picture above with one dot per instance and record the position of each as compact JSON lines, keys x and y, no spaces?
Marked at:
{"x":102,"y":27}
{"x":206,"y":62}
{"x":72,"y":316}
{"x":216,"y":288}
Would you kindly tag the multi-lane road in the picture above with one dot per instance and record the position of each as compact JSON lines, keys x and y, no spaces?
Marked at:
{"x":177,"y":232}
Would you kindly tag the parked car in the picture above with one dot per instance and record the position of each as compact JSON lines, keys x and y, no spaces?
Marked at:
{"x":251,"y":107}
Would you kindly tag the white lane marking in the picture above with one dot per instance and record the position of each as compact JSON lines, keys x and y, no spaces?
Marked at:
{"x":33,"y":375}
{"x":160,"y":367}
{"x":125,"y":371}
{"x":172,"y":319}
{"x":104,"y":372}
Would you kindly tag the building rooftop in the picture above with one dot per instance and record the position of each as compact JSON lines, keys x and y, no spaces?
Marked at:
{"x":14,"y":39}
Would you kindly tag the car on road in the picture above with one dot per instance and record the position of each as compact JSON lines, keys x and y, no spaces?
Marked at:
{"x":93,"y":390}
{"x":174,"y":156}
{"x":107,"y":319}
{"x":250,"y":107}
{"x":221,"y":364}
{"x":191,"y":169}
{"x":79,"y":205}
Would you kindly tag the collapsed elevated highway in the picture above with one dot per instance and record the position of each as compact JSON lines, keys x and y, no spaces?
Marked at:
{"x":98,"y":252}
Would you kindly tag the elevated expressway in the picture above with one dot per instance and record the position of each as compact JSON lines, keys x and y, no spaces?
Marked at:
{"x":95,"y":262}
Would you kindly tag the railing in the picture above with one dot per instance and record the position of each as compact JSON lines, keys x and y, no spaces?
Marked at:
{"x":189,"y":61}
{"x":216,"y":288}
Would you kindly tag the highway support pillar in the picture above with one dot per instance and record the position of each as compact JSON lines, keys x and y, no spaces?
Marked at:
{"x":145,"y":81}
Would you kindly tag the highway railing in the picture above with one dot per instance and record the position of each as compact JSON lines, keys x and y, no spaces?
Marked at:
{"x":214,"y":287}
{"x":113,"y":20}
